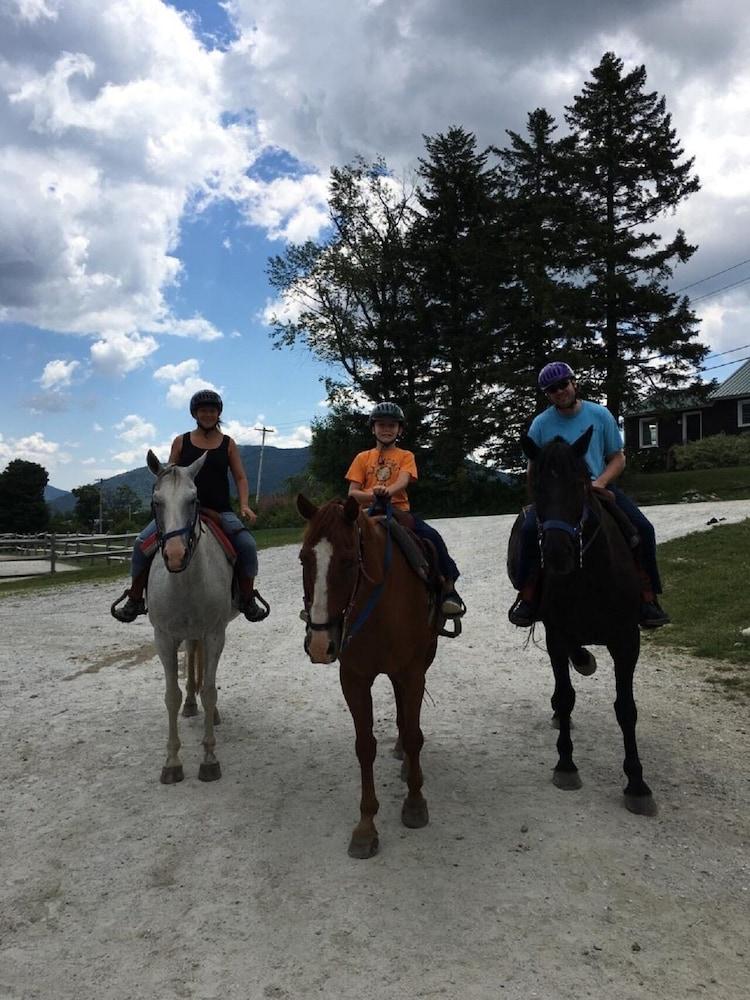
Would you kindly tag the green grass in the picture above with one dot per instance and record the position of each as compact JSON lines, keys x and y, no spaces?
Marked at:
{"x":265,"y":538}
{"x":669,"y":487}
{"x":705,"y":583}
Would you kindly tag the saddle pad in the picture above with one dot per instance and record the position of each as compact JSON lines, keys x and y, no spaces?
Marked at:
{"x":411,"y":547}
{"x":514,"y":548}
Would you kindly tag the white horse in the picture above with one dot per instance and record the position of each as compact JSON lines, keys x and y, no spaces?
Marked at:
{"x":190,"y":599}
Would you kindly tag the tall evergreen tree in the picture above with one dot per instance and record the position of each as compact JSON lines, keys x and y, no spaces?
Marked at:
{"x":22,"y":506}
{"x":631,"y":174}
{"x":456,"y":286}
{"x":542,"y":305}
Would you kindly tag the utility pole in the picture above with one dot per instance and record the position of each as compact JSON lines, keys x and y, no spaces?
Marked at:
{"x":101,"y":507}
{"x":264,"y":430}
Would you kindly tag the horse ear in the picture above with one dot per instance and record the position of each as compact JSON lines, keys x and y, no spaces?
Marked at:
{"x":153,"y":463}
{"x":351,"y":509}
{"x":306,"y":508}
{"x":530,"y":447}
{"x":581,"y":445}
{"x":197,"y":465}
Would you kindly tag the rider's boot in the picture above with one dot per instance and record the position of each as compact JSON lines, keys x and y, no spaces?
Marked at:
{"x":651,"y":613}
{"x":452,"y":606}
{"x":135,"y":604}
{"x":523,"y":611}
{"x":249,"y":598}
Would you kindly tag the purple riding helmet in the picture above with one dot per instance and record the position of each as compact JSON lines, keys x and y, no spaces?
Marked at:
{"x":555,"y":371}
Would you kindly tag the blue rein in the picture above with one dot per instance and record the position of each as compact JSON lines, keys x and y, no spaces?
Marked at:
{"x":375,"y":595}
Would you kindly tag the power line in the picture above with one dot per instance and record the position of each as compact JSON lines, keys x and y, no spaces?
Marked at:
{"x":724,"y":364}
{"x":719,"y":354}
{"x":716,"y":291}
{"x":709,"y":276}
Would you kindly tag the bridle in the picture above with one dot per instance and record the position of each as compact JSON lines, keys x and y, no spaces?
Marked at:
{"x":187,"y":530}
{"x":342,"y":620}
{"x":575,"y":531}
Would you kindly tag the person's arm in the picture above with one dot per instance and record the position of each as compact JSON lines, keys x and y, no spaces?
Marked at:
{"x":613,"y":469}
{"x":240,"y":481}
{"x":360,"y":495}
{"x":176,"y":450}
{"x":401,"y":482}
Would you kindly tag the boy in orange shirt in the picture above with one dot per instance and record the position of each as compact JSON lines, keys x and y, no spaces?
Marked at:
{"x":386,"y":471}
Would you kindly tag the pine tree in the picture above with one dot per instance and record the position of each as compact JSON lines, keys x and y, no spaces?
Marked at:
{"x":456,"y":285}
{"x":631,"y":175}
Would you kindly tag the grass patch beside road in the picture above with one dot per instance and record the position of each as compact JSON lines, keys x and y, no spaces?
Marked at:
{"x":705,"y":584}
{"x":265,"y":538}
{"x":670,"y":487}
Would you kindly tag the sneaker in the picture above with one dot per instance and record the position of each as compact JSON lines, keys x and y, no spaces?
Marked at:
{"x":252,"y":610}
{"x":130,"y":610}
{"x":452,"y":606}
{"x":522,"y":614}
{"x":653,"y":615}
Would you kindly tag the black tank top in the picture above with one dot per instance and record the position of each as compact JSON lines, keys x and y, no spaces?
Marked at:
{"x":212,"y":481}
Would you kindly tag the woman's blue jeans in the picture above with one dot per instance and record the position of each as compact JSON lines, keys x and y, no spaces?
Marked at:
{"x":233,"y":528}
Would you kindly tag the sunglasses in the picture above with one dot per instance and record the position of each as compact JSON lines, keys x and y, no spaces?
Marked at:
{"x":556,"y":386}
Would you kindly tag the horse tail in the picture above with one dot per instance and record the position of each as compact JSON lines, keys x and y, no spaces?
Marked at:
{"x":195,"y":660}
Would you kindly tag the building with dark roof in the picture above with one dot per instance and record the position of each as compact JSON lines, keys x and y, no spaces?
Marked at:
{"x":679,"y":417}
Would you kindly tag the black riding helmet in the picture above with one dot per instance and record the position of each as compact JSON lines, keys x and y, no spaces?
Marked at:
{"x":387,"y":411}
{"x":205,"y":397}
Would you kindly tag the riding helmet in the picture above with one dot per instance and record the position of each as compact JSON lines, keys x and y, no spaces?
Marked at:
{"x":555,"y":371}
{"x":205,"y":397}
{"x":387,"y":411}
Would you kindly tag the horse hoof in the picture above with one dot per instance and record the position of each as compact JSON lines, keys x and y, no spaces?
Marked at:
{"x":642,"y":805}
{"x":362,"y":849}
{"x":209,"y":772}
{"x":171,"y":775}
{"x":189,"y":710}
{"x":583,"y":661}
{"x":568,"y":781}
{"x":415,"y":815}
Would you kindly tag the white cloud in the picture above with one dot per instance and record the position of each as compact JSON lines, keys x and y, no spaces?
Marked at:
{"x":33,"y":447}
{"x":57,"y":374}
{"x":119,"y":353}
{"x":135,"y":429}
{"x":300,"y":437}
{"x":185,"y":380}
{"x":288,"y":208}
{"x":175,"y":373}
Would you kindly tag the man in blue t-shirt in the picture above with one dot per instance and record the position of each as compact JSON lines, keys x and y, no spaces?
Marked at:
{"x":569,"y":417}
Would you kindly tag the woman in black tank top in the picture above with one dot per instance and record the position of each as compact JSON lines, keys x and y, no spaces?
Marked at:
{"x":222,"y":457}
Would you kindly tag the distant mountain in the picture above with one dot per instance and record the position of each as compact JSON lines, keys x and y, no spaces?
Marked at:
{"x":278,"y":465}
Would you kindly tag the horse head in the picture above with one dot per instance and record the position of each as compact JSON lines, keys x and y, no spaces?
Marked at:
{"x":331,"y":564}
{"x":174,"y":501}
{"x":560,"y":484}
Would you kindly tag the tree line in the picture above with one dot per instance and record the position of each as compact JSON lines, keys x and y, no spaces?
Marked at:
{"x":448,"y":293}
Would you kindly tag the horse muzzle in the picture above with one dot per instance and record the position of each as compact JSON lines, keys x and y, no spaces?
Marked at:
{"x":176,"y":556}
{"x":322,"y":642}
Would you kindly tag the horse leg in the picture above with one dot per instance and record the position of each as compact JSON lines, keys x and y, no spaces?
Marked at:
{"x":398,"y":747}
{"x":638,"y":797}
{"x":190,"y":707}
{"x":167,"y":647}
{"x":414,"y":812}
{"x":358,"y":694}
{"x":565,"y":774}
{"x":213,"y":644}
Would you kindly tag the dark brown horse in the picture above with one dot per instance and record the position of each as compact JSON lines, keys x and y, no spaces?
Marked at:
{"x":590,"y":594}
{"x":366,"y":607}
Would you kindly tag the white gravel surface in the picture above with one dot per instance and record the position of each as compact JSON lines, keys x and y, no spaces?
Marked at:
{"x":117,"y":887}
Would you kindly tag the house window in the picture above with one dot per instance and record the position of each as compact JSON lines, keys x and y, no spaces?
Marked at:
{"x":648,"y":432}
{"x":743,"y":412}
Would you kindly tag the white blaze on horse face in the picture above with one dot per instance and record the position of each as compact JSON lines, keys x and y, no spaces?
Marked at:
{"x":319,"y":639}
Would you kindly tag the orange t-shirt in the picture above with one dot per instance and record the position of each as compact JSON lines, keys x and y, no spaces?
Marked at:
{"x":381,"y":468}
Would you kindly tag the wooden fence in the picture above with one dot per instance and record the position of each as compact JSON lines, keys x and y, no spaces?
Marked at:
{"x":68,"y":549}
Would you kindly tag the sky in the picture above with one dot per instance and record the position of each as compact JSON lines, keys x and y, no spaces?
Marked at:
{"x":153,"y":155}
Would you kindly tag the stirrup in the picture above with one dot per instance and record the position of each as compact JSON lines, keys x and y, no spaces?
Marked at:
{"x":455,"y":632}
{"x":453,"y":596}
{"x":258,"y":614}
{"x":134,"y":606}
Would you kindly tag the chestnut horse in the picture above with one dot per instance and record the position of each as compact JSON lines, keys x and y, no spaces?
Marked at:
{"x":365,"y":606}
{"x":590,"y":594}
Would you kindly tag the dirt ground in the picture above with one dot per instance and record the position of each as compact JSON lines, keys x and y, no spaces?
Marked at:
{"x":115,"y":886}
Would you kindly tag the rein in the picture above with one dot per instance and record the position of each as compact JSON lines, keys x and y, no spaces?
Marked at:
{"x":188,"y":530}
{"x":347,"y":634}
{"x":574,"y":530}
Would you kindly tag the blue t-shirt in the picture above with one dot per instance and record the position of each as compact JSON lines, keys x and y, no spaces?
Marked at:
{"x":605,"y":440}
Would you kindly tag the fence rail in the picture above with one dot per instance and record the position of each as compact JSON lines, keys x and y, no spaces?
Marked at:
{"x":54,"y":549}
